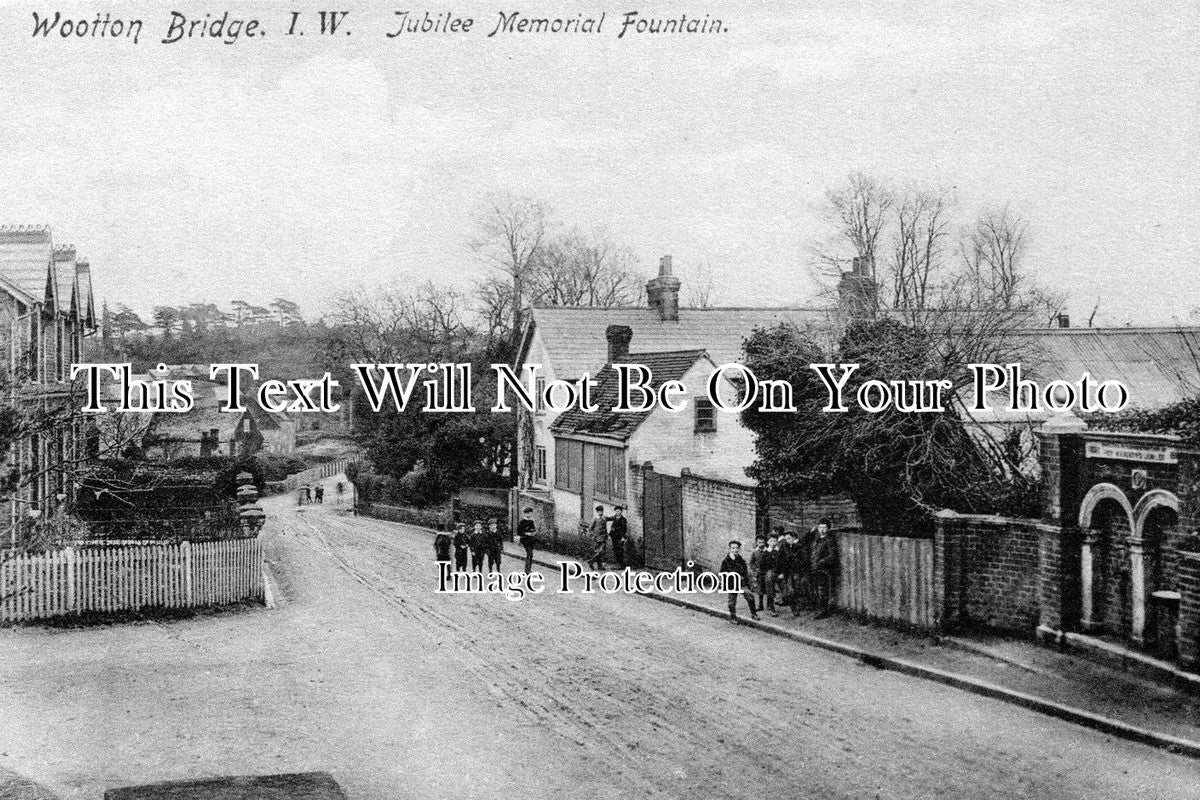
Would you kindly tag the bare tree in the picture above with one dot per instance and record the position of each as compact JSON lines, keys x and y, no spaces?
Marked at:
{"x":701,"y":289}
{"x":510,"y":231}
{"x":858,"y":211}
{"x":578,"y":269}
{"x":918,"y":249}
{"x":392,"y":325}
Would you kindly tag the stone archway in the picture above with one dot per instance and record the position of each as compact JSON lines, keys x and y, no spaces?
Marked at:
{"x":1145,"y":545}
{"x":1096,"y":541}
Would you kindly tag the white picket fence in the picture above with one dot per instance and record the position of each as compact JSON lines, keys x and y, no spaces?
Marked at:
{"x":128,"y":577}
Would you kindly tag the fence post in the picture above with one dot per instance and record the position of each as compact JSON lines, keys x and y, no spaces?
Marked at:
{"x":69,"y":552}
{"x":185,"y":548}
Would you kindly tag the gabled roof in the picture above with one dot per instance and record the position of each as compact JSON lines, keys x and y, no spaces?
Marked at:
{"x":576,"y":343}
{"x":84,"y":299}
{"x":62,"y":278}
{"x":26,"y":259}
{"x":605,"y":422}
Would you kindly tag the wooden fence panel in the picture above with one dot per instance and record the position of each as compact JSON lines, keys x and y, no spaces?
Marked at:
{"x":887,"y":577}
{"x":128,"y":577}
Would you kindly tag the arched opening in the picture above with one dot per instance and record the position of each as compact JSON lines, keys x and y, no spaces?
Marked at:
{"x":1156,"y":518}
{"x":1109,"y":579}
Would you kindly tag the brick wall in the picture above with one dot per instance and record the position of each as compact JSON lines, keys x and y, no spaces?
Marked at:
{"x":803,"y":514}
{"x":1189,"y":611}
{"x":715,"y":511}
{"x":989,"y":569}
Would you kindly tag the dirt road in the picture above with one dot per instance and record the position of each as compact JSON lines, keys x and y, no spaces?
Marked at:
{"x":399,"y":692}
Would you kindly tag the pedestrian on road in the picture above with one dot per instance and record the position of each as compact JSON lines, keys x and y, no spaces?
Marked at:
{"x":598,"y":533}
{"x":618,"y":529}
{"x":442,"y":544}
{"x":783,"y":565}
{"x":462,"y":547}
{"x":797,"y":569}
{"x":527,"y":531}
{"x":341,"y":489}
{"x":769,"y":575}
{"x":734,"y":562}
{"x":320,"y":494}
{"x":758,"y":568}
{"x":478,"y":545}
{"x":495,"y":545}
{"x":825,"y":568}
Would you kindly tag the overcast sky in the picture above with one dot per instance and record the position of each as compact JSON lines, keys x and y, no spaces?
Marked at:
{"x":301,"y":167}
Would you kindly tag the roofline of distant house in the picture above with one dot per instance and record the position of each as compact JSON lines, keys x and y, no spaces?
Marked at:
{"x":1115,"y":329}
{"x":684,"y":308}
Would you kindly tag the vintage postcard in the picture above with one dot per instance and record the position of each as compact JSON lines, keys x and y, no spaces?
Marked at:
{"x":737,"y":400}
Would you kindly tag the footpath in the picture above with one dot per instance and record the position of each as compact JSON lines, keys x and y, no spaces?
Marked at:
{"x":1024,"y":673}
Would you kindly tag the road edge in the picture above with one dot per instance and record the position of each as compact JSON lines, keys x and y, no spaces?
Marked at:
{"x":1078,"y":716}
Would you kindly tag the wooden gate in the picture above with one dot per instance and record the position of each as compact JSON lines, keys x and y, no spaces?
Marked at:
{"x":662,"y":519}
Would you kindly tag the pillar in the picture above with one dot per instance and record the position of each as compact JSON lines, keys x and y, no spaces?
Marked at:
{"x":1086,"y":583}
{"x":1137,"y":588}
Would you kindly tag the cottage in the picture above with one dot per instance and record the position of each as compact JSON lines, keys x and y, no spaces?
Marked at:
{"x":681,"y":475}
{"x":46,"y":308}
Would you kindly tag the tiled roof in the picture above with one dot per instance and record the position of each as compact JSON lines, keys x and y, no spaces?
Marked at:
{"x":203,"y":416}
{"x":1158,"y":365}
{"x":576,"y":342}
{"x":26,"y":254}
{"x":671,"y":366}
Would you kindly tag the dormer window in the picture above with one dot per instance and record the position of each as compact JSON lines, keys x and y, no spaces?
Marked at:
{"x":706,"y":416}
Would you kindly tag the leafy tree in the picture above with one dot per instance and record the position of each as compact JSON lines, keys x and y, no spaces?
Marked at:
{"x":897,"y":466}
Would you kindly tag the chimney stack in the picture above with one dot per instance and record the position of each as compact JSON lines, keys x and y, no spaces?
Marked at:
{"x":663,"y":292}
{"x":858,"y":296}
{"x":618,"y":337}
{"x":1064,"y":321}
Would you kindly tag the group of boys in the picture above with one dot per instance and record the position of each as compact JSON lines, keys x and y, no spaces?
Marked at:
{"x":479,"y":544}
{"x":798,"y":570}
{"x":603,"y":530}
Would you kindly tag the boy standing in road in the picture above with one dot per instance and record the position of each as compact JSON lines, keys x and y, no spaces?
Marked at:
{"x":495,"y":545}
{"x":442,"y":544}
{"x":527,"y":531}
{"x":617,"y":530}
{"x":462,"y":546}
{"x":478,"y":546}
{"x":734,"y":562}
{"x":598,"y":534}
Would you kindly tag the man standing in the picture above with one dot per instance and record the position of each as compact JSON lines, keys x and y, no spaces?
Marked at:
{"x":825,"y":567}
{"x":495,"y":545}
{"x":733,"y":562}
{"x":768,"y":578}
{"x":598,"y":533}
{"x":618,"y":529}
{"x":478,"y":546}
{"x":760,"y":568}
{"x":527,"y":531}
{"x":462,"y":546}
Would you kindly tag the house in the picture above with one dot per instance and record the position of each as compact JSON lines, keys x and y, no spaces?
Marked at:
{"x":205,"y":430}
{"x":46,"y":309}
{"x":680,"y":475}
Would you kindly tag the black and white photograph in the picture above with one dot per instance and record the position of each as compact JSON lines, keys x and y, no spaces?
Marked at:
{"x":701,"y":402}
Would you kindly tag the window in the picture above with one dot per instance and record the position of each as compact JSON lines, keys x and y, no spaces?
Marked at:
{"x":539,"y":392}
{"x":706,"y":416}
{"x":568,"y":465}
{"x":608,"y":473}
{"x":539,"y":465}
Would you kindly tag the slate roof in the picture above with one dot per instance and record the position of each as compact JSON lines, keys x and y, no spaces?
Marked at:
{"x":669,"y":366}
{"x":203,"y":416}
{"x":1159,"y":366}
{"x":576,"y":343}
{"x":26,"y":254}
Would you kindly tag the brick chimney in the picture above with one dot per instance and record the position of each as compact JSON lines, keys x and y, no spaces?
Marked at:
{"x":618,"y":337}
{"x":663,"y":292}
{"x":1063,"y":320}
{"x":858,"y":296}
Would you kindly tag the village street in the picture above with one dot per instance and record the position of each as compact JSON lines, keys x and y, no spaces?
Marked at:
{"x":364,"y":672}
